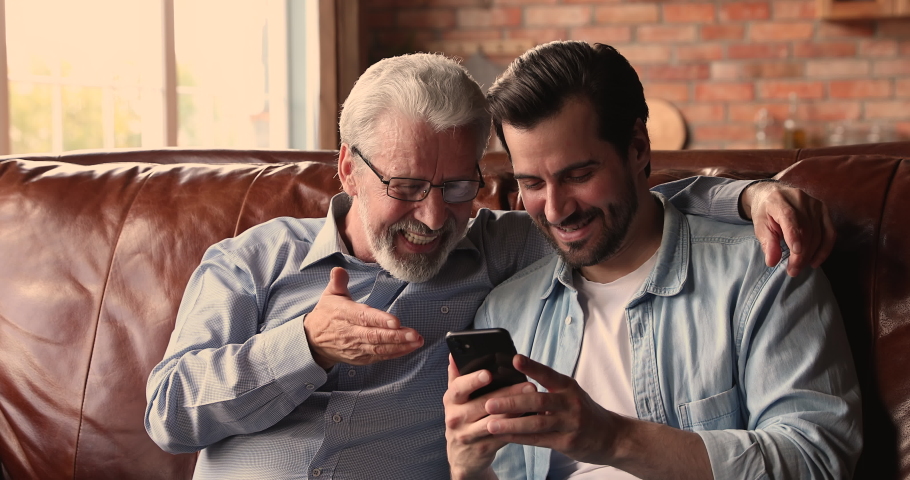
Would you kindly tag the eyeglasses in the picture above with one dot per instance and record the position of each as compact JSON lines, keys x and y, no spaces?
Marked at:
{"x":416,"y":189}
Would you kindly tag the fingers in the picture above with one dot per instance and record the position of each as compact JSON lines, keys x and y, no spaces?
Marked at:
{"x":547,"y":377}
{"x":768,"y":235}
{"x":338,"y":283}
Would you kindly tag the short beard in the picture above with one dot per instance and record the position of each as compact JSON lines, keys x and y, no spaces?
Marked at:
{"x":612,"y":236}
{"x":412,"y":267}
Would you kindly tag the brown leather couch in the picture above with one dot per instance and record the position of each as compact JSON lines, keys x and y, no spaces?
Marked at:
{"x":96,"y":248}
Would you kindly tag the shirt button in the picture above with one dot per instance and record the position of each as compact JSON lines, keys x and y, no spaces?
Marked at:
{"x":444,"y":309}
{"x":352,"y":372}
{"x":568,"y":320}
{"x":336,"y":418}
{"x":317,"y":472}
{"x":310,"y":386}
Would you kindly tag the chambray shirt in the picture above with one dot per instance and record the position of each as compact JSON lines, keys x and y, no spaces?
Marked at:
{"x":752,"y":360}
{"x":238,"y":381}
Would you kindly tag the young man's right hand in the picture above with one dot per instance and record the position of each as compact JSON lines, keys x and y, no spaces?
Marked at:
{"x":469,"y":445}
{"x":342,"y":330}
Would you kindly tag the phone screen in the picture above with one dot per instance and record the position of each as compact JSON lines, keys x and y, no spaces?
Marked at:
{"x":488,"y":349}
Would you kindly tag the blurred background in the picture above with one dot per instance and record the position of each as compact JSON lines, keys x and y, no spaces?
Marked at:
{"x":103,"y":74}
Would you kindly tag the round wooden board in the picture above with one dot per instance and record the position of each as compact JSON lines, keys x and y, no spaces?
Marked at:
{"x":666,"y":125}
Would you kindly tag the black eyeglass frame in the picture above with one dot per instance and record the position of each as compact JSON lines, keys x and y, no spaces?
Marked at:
{"x":426,"y":192}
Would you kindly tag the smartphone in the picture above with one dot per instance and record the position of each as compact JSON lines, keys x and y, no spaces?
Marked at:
{"x":486,"y":349}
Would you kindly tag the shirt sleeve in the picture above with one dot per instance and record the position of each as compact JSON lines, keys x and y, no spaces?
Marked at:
{"x":220,"y":375}
{"x":798,"y":387}
{"x":712,"y":197}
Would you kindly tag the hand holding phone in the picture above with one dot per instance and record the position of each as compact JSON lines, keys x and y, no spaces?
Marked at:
{"x":487,"y":349}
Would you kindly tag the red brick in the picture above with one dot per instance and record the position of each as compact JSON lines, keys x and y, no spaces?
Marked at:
{"x":706,"y":52}
{"x":638,"y":54}
{"x":781,"y":31}
{"x":408,"y":40}
{"x":830,"y":111}
{"x":860,"y":89}
{"x":731,"y":92}
{"x":902,"y":130}
{"x":726,"y":132}
{"x":436,"y":18}
{"x":747,"y":112}
{"x":696,"y":71}
{"x":722,"y":32}
{"x":846,"y":30}
{"x":905,"y":48}
{"x":666,"y":33}
{"x":748,"y":50}
{"x":488,"y":17}
{"x":745,"y":11}
{"x":781,"y":90}
{"x":689,"y":12}
{"x":887,"y":68}
{"x":627,"y":13}
{"x":538,"y":35}
{"x":902,"y":87}
{"x":798,"y":10}
{"x":551,"y":16}
{"x":888,"y":109}
{"x":877,"y":48}
{"x":824,"y":49}
{"x":897,"y":28}
{"x":703,"y":112}
{"x":674,"y":92}
{"x":837,"y":68}
{"x":474,"y":35}
{"x":608,"y":35}
{"x":751,"y":70}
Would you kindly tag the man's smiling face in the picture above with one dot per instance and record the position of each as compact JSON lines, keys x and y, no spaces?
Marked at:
{"x":412,"y":240}
{"x":577,"y":188}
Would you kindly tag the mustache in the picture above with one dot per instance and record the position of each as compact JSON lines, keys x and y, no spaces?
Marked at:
{"x":421,"y":228}
{"x":573,"y":219}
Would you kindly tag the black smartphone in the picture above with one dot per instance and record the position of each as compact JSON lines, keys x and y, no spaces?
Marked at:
{"x":486,"y":349}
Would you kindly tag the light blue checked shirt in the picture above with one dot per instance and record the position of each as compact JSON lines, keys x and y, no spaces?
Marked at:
{"x":238,"y":381}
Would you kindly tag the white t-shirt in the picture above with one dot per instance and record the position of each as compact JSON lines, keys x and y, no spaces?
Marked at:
{"x":604,"y":368}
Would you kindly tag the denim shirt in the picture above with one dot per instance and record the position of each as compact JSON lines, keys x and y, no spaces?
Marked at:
{"x":752,"y":360}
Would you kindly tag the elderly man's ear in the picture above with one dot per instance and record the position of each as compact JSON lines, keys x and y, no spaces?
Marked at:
{"x":346,"y":159}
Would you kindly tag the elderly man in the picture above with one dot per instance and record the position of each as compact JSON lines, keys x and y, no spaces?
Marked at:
{"x":666,"y":348}
{"x":308,"y":348}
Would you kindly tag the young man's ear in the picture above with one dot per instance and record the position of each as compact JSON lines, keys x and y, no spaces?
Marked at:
{"x":639,"y":148}
{"x":346,"y":167}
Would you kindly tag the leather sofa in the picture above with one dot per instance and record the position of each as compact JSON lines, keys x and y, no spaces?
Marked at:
{"x":96,"y":249}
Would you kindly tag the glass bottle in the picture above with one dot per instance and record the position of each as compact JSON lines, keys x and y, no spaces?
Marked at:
{"x":794,"y":133}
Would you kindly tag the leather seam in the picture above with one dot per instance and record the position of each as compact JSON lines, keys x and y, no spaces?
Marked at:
{"x":107,"y":278}
{"x":874,"y":303}
{"x":246,"y":197}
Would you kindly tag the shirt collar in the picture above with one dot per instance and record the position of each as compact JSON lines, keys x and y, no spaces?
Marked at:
{"x":328,"y":242}
{"x":669,"y":274}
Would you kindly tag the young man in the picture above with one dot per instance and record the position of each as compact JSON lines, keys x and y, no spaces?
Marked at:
{"x":665,"y":347}
{"x":270,"y":373}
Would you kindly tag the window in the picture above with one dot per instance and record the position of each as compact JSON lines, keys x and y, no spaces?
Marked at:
{"x":101,"y":74}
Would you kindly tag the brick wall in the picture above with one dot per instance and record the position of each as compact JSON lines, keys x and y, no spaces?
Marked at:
{"x":718,"y":61}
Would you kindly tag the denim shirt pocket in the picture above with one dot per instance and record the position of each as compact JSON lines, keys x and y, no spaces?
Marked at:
{"x":717,"y":412}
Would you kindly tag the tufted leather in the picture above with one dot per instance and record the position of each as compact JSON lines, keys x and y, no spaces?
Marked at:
{"x":96,"y":249}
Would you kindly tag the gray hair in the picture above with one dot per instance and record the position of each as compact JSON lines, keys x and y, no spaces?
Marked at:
{"x":422,"y":87}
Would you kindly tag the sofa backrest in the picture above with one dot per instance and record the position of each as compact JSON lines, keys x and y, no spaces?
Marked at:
{"x":94,"y":257}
